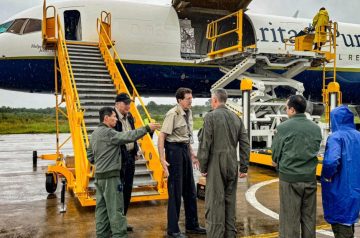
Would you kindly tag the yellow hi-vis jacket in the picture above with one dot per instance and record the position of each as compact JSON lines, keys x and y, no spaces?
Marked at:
{"x":320,"y":21}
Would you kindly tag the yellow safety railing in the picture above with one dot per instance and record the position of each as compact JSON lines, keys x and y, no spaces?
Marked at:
{"x":48,"y":26}
{"x":75,"y":115}
{"x":328,"y":48}
{"x":150,"y":152}
{"x":212,"y":34}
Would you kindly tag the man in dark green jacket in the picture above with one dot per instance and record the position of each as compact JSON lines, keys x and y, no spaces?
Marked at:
{"x":104,"y":152}
{"x":222,"y":132}
{"x":294,"y":152}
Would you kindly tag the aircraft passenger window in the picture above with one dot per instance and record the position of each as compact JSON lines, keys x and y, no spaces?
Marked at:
{"x":32,"y":26}
{"x":5,"y":26}
{"x":16,"y":26}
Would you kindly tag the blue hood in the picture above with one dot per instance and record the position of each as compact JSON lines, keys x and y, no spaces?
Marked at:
{"x":341,"y":118}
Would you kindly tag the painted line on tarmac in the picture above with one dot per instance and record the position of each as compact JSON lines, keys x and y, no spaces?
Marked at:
{"x":251,"y":198}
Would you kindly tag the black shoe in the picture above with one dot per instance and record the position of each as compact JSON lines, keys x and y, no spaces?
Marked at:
{"x":176,"y":235}
{"x":130,"y":228}
{"x":196,"y":230}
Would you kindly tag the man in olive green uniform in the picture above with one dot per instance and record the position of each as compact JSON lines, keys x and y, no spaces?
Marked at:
{"x":320,"y":24}
{"x":104,"y":152}
{"x":294,"y":152}
{"x":218,"y":139}
{"x":176,"y":138}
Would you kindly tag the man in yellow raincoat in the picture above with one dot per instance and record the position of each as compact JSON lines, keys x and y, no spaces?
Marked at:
{"x":320,"y":23}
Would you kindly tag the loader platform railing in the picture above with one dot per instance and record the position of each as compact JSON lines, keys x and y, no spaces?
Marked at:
{"x":214,"y":34}
{"x":111,"y":56}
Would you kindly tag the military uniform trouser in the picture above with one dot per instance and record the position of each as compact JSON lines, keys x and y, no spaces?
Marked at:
{"x":342,"y":231}
{"x":220,"y":197}
{"x":128,"y":181}
{"x":297,"y":209}
{"x":109,"y":208}
{"x":180,"y":183}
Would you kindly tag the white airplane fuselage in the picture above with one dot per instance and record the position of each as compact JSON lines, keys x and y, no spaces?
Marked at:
{"x":148,"y":40}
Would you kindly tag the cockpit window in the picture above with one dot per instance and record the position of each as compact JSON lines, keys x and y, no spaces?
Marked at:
{"x":16,"y":26}
{"x":32,"y":26}
{"x":5,"y":26}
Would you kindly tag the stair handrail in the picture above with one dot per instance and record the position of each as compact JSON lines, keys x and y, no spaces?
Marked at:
{"x":72,"y":80}
{"x":108,"y":42}
{"x":105,"y":44}
{"x":75,"y":113}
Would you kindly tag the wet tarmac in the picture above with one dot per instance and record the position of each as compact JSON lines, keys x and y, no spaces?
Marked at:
{"x":26,"y":210}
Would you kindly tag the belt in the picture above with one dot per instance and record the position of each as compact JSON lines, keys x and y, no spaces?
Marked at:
{"x":178,"y":143}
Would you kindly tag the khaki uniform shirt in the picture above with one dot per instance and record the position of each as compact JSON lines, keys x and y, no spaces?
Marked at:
{"x":176,"y":126}
{"x":126,"y":127}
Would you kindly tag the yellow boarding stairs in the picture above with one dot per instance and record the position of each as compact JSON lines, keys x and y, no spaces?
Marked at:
{"x":242,"y":57}
{"x":90,"y":80}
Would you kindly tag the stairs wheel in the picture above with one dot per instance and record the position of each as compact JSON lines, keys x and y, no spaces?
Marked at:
{"x":51,"y":182}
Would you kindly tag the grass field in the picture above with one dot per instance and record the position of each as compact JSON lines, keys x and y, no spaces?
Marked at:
{"x":24,"y":121}
{"x":18,"y":122}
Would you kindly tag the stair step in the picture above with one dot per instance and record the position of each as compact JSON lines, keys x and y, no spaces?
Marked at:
{"x":97,"y":102}
{"x":92,"y":75}
{"x":84,"y":96}
{"x":98,"y":85}
{"x":84,"y":62}
{"x":91,"y":121}
{"x":96,"y":96}
{"x":88,"y":44}
{"x":140,"y":161}
{"x":102,"y":91}
{"x":83,"y":50}
{"x":94,"y":80}
{"x":86,"y":55}
{"x":143,"y":172}
{"x":140,"y":167}
{"x":140,"y":183}
{"x":144,"y":193}
{"x":90,"y":70}
{"x":95,"y":108}
{"x":90,"y":129}
{"x":91,"y":114}
{"x":88,"y":67}
{"x":94,"y":59}
{"x":77,"y":46}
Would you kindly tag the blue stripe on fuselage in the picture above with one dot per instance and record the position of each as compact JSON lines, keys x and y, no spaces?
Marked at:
{"x":37,"y":75}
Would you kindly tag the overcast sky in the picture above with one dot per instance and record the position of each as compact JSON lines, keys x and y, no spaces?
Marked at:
{"x":339,"y":10}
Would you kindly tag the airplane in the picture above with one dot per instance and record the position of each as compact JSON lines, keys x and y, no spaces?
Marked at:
{"x":160,"y":44}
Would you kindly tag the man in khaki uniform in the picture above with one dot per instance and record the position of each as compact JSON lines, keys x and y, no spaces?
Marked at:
{"x":176,"y":138}
{"x":218,"y":139}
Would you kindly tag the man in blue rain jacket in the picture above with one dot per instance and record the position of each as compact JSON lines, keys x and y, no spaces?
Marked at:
{"x":340,"y":178}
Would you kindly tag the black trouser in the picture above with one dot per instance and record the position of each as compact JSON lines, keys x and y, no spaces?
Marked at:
{"x":128,"y":180}
{"x":180,"y":183}
{"x":342,"y":231}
